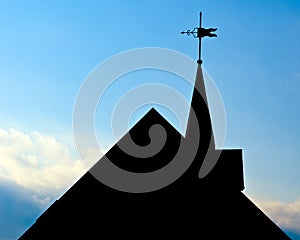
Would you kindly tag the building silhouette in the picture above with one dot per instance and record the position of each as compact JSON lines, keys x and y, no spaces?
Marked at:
{"x":212,"y":207}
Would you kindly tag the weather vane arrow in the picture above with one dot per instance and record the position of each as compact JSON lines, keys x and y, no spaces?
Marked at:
{"x":200,"y":32}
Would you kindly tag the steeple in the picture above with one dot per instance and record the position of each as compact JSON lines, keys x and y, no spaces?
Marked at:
{"x":200,"y":107}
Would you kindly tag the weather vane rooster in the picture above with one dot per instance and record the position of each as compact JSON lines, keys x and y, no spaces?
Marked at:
{"x":200,"y":32}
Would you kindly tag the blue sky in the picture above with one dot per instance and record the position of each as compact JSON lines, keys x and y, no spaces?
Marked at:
{"x":48,"y":48}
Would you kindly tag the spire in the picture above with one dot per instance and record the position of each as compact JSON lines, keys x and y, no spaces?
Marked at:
{"x":200,"y":32}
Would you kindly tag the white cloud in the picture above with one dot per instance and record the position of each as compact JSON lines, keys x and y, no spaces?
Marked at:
{"x":37,"y":162}
{"x":284,"y":214}
{"x":41,"y":201}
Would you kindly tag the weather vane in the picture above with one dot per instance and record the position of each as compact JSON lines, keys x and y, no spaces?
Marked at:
{"x":200,"y":32}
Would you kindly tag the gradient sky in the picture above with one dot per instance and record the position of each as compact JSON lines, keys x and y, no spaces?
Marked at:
{"x":47,"y":49}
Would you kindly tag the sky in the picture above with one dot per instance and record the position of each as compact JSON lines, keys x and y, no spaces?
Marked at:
{"x":48,"y":48}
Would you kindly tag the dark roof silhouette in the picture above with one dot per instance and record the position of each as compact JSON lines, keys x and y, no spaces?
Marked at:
{"x":213,"y":207}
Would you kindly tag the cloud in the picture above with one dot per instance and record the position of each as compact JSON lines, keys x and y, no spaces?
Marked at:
{"x":284,"y":214}
{"x":37,"y":162}
{"x":17,"y":209}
